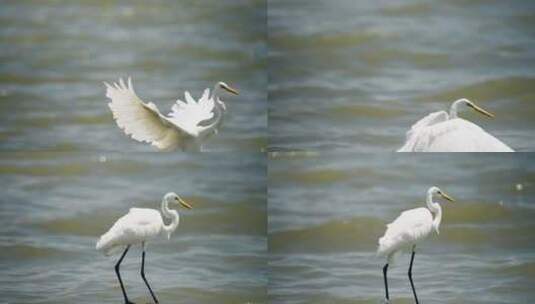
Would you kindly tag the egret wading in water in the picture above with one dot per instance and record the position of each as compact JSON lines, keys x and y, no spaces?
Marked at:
{"x":443,"y":132}
{"x":136,"y":227}
{"x":186,"y":127}
{"x":411,"y":227}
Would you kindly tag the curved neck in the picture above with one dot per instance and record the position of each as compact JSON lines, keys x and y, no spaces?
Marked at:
{"x":436,"y":210}
{"x":219,"y":108}
{"x":215,"y":92}
{"x":173,"y":215}
{"x":453,"y":108}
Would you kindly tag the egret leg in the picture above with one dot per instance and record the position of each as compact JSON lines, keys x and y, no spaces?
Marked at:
{"x":386,"y":281}
{"x":143,"y":275}
{"x":410,"y":276}
{"x":119,"y":275}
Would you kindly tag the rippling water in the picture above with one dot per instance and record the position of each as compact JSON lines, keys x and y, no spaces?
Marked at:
{"x":327,"y":212}
{"x":344,"y":75}
{"x":54,"y":56}
{"x":54,"y":206}
{"x":352,"y":75}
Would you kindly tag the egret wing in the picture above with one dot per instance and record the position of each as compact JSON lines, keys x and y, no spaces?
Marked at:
{"x":409,"y":227}
{"x":460,"y":135}
{"x":417,"y":135}
{"x":134,"y":227}
{"x":192,"y":115}
{"x":143,"y":223}
{"x":142,"y":121}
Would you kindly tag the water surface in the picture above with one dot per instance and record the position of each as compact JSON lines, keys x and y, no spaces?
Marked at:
{"x":326,"y":213}
{"x":351,"y":75}
{"x":54,"y":56}
{"x":54,"y":206}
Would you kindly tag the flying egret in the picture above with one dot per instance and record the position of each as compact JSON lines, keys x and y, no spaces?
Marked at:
{"x":440,"y":132}
{"x":136,"y":227}
{"x":186,"y":127}
{"x":411,"y":227}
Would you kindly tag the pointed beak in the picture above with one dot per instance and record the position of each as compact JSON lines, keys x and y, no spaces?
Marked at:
{"x":183,"y":203}
{"x":444,"y":195}
{"x":482,"y":111}
{"x":231,"y":90}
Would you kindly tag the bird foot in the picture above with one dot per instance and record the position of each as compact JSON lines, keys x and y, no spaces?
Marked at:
{"x":385,"y":301}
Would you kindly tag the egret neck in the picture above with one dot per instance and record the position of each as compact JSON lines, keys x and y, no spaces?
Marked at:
{"x":435,"y":209}
{"x":453,"y":108}
{"x":172,"y":214}
{"x":219,"y":108}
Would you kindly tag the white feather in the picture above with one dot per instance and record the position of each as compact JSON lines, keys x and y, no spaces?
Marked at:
{"x":440,"y":132}
{"x":186,"y":126}
{"x":190,"y":115}
{"x":407,"y":229}
{"x":134,"y":227}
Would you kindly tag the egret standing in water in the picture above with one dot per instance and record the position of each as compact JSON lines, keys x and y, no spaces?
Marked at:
{"x":411,"y":227}
{"x":186,"y":127}
{"x":440,"y":132}
{"x":136,"y":227}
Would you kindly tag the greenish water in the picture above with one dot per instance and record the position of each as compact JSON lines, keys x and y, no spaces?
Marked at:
{"x":54,"y":56}
{"x":353,"y":76}
{"x":54,"y":206}
{"x":345,"y":77}
{"x":326,"y":213}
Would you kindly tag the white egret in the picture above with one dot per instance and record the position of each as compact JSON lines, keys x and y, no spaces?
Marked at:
{"x":186,"y":127}
{"x":136,"y":227}
{"x":440,"y":132}
{"x":411,"y":227}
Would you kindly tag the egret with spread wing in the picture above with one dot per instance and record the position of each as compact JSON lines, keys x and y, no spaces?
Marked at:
{"x":440,"y":132}
{"x":186,"y":127}
{"x":411,"y":227}
{"x":136,"y":227}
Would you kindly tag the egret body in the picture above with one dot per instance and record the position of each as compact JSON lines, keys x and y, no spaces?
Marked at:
{"x":406,"y":231}
{"x":443,"y":132}
{"x":136,"y":227}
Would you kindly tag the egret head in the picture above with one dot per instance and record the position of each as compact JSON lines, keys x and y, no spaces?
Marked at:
{"x":227,"y":88}
{"x":172,"y":197}
{"x":472,"y":105}
{"x":436,"y":190}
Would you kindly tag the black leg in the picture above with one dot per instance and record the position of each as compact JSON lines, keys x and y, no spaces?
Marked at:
{"x":119,"y":275}
{"x":143,"y":275}
{"x":386,"y":281}
{"x":410,"y":277}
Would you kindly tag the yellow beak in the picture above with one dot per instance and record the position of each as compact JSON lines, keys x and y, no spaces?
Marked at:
{"x":184,"y":204}
{"x":444,"y":195}
{"x":483,"y":111}
{"x":231,"y":90}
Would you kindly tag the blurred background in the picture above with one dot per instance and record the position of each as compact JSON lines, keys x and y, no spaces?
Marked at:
{"x":326,"y":214}
{"x":54,"y":206}
{"x":352,"y":75}
{"x":54,"y":56}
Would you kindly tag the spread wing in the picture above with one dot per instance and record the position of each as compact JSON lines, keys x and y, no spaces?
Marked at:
{"x":191,"y":115}
{"x":417,"y":130}
{"x":142,"y":121}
